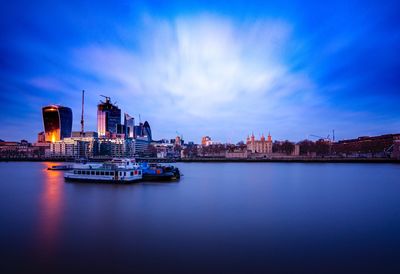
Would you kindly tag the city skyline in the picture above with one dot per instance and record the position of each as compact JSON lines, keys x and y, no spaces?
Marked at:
{"x":217,"y":69}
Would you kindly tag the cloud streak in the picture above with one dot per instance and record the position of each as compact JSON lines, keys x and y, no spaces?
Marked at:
{"x":212,"y":68}
{"x":204,"y":68}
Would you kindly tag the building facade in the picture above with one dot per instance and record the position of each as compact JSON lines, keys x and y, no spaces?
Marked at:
{"x":69,"y":147}
{"x":206,"y":141}
{"x":76,"y":146}
{"x":129,"y":126}
{"x":117,"y":147}
{"x":108,"y":117}
{"x":259,"y":146}
{"x":57,"y":122}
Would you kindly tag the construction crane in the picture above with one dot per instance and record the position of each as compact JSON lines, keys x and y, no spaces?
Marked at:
{"x":327,"y":138}
{"x":388,"y":151}
{"x":107,"y":98}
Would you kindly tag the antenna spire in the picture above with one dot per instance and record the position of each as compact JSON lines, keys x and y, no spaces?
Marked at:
{"x":82,"y":120}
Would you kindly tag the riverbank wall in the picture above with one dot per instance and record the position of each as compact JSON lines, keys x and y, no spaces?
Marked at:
{"x":223,"y":160}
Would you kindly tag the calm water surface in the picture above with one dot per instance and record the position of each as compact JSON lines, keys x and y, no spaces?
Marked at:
{"x":220,"y":218}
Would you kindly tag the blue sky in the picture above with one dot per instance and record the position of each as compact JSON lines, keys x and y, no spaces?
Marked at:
{"x":292,"y":68}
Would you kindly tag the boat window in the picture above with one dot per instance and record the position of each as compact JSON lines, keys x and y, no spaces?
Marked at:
{"x":79,"y":172}
{"x":101,"y":172}
{"x":140,"y":172}
{"x":124,"y":173}
{"x":131,"y":173}
{"x":112,"y":173}
{"x":97,"y":173}
{"x":92,"y":172}
{"x":106,"y":173}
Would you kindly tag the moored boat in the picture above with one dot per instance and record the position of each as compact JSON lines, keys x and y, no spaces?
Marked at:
{"x":157,"y":172}
{"x":116,"y":171}
{"x":60,"y":167}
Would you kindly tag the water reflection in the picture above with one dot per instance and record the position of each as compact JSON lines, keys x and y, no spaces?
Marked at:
{"x":266,"y":217}
{"x":51,"y":204}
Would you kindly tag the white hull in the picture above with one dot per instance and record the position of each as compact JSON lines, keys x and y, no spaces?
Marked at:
{"x":123,"y":171}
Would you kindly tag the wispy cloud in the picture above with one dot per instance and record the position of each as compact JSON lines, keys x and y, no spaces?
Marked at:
{"x":204,"y":69}
{"x":212,"y":68}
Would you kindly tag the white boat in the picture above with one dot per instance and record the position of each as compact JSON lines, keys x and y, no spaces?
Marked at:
{"x":116,"y":171}
{"x":60,"y":167}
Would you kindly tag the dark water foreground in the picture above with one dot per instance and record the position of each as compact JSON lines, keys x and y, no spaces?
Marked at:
{"x":220,"y":218}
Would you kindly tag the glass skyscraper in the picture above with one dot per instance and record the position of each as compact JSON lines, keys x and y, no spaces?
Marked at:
{"x":57,"y":121}
{"x":129,"y":123}
{"x":108,"y":117}
{"x":143,"y":130}
{"x":147,"y":131}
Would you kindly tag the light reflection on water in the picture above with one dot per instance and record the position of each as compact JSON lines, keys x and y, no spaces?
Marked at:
{"x":231,"y":217}
{"x":51,"y":203}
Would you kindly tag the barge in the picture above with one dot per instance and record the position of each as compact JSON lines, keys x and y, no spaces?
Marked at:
{"x":157,"y":172}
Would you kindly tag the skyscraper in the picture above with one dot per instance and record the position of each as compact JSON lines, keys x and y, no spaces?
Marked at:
{"x":129,"y":123}
{"x":147,"y":131}
{"x":108,"y":117}
{"x":143,"y":130}
{"x":57,"y":121}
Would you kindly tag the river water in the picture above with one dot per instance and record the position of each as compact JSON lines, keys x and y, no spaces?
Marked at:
{"x":220,"y":218}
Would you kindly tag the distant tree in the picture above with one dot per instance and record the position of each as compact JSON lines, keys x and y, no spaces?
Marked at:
{"x":191,"y":151}
{"x":276,"y":147}
{"x":322,"y":147}
{"x":306,"y":147}
{"x":287,"y":147}
{"x":230,"y":147}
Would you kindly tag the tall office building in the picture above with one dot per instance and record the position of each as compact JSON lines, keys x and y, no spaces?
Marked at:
{"x":108,"y":117}
{"x":143,"y":130}
{"x":129,"y":123}
{"x":57,"y":121}
{"x":147,"y":131}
